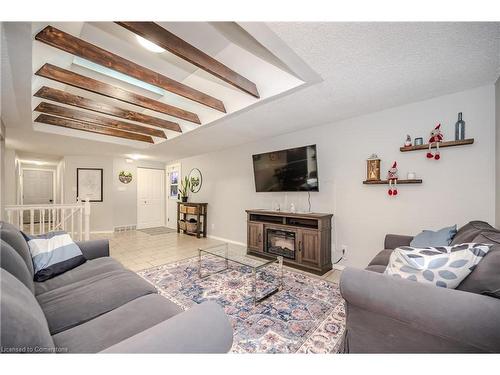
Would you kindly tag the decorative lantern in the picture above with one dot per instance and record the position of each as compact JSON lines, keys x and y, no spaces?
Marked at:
{"x":373,"y":168}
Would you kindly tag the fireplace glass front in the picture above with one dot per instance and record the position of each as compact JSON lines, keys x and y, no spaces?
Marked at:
{"x":281,"y":242}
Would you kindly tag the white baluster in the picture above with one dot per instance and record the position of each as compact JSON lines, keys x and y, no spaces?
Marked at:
{"x":72,"y":222}
{"x":9,"y":217}
{"x":32,"y":221}
{"x":42,"y":220}
{"x":87,"y":220}
{"x":20,"y":219}
{"x":80,"y":210}
{"x":63,"y":219}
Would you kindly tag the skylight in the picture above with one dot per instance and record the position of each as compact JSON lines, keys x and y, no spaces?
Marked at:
{"x":117,"y":75}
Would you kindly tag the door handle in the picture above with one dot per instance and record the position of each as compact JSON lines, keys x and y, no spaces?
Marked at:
{"x":300,"y":246}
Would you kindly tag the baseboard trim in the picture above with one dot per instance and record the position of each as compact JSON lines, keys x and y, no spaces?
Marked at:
{"x":227,"y":240}
{"x":339,"y":267}
{"x":101,"y":231}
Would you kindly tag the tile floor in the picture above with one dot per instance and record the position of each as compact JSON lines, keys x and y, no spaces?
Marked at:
{"x":137,"y":250}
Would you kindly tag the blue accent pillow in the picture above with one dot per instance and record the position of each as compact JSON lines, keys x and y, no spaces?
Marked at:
{"x":442,"y":237}
{"x":53,"y":253}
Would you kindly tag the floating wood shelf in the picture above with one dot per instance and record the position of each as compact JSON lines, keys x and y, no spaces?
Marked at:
{"x":441,"y":145}
{"x":386,"y":182}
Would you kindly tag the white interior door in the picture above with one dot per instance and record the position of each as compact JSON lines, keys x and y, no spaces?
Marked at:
{"x":150,"y":198}
{"x":38,"y":188}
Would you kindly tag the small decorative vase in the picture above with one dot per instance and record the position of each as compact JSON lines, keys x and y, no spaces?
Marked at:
{"x":460,"y":128}
{"x":184,"y":199}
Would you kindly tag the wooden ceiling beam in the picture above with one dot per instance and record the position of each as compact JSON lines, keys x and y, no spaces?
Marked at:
{"x":70,"y":78}
{"x":172,"y":43}
{"x":92,"y":128}
{"x":64,"y":97}
{"x":78,"y":47}
{"x":77,"y":115}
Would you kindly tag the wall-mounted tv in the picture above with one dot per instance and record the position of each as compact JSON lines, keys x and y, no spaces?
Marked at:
{"x":295,"y":169}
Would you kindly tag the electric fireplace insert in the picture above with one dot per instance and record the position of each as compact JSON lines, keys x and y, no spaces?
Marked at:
{"x":281,"y":242}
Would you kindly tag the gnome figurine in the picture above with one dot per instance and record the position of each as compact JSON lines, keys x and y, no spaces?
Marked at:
{"x":408,"y":141}
{"x":436,"y":137}
{"x":392,"y":177}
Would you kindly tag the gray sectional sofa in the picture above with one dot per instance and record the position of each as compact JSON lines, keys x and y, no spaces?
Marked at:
{"x":390,"y":315}
{"x":98,"y":306}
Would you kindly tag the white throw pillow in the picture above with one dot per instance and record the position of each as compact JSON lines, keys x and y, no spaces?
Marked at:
{"x":443,"y":266}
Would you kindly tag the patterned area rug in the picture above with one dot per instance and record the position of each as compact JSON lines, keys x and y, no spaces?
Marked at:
{"x":157,"y":231}
{"x":306,"y":316}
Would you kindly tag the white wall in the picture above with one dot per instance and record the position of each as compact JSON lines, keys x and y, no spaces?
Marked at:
{"x":2,"y":165}
{"x":497,"y":158}
{"x":456,"y":189}
{"x":10,"y":177}
{"x":2,"y":139}
{"x":125,"y":195}
{"x":101,"y":212}
{"x":119,"y":205}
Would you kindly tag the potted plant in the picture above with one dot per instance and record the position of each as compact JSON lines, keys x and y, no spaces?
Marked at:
{"x":184,"y":190}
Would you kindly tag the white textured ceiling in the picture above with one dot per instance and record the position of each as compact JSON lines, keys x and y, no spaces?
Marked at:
{"x":363,"y":67}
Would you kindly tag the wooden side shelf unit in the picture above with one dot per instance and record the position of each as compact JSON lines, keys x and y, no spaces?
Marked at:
{"x":386,"y":182}
{"x":188,"y":210}
{"x":303,"y":239}
{"x":468,"y":141}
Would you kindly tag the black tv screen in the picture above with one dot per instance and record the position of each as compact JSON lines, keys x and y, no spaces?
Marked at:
{"x":295,"y":169}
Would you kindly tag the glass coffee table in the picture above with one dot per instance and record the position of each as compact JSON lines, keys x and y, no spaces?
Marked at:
{"x":238,"y":254}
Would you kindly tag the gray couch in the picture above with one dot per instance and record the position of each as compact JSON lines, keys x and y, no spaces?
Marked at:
{"x":389,"y":315}
{"x":97,"y":307}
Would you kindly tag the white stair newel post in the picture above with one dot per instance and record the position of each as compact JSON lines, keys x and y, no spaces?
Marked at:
{"x":20,"y":220}
{"x":87,"y":219}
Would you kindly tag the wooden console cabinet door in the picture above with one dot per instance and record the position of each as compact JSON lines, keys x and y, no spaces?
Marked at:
{"x":255,"y":237}
{"x":309,"y":247}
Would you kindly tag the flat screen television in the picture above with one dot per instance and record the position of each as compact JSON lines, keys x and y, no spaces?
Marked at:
{"x":295,"y":169}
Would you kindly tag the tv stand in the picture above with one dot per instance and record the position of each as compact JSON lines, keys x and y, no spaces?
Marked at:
{"x":303,"y":239}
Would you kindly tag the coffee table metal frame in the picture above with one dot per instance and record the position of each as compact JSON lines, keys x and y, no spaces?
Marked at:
{"x":226,"y":255}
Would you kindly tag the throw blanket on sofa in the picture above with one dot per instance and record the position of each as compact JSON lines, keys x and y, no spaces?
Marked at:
{"x":53,"y":253}
{"x":443,"y":266}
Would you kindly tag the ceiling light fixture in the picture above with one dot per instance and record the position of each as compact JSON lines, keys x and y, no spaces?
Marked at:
{"x":36,"y":162}
{"x":135,"y":156}
{"x":149,"y":45}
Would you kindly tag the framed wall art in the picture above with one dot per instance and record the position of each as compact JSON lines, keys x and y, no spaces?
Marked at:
{"x":89,"y":184}
{"x":195,"y":180}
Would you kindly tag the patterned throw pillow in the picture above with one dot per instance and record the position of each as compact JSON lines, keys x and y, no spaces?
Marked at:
{"x":53,"y":253}
{"x":443,"y":266}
